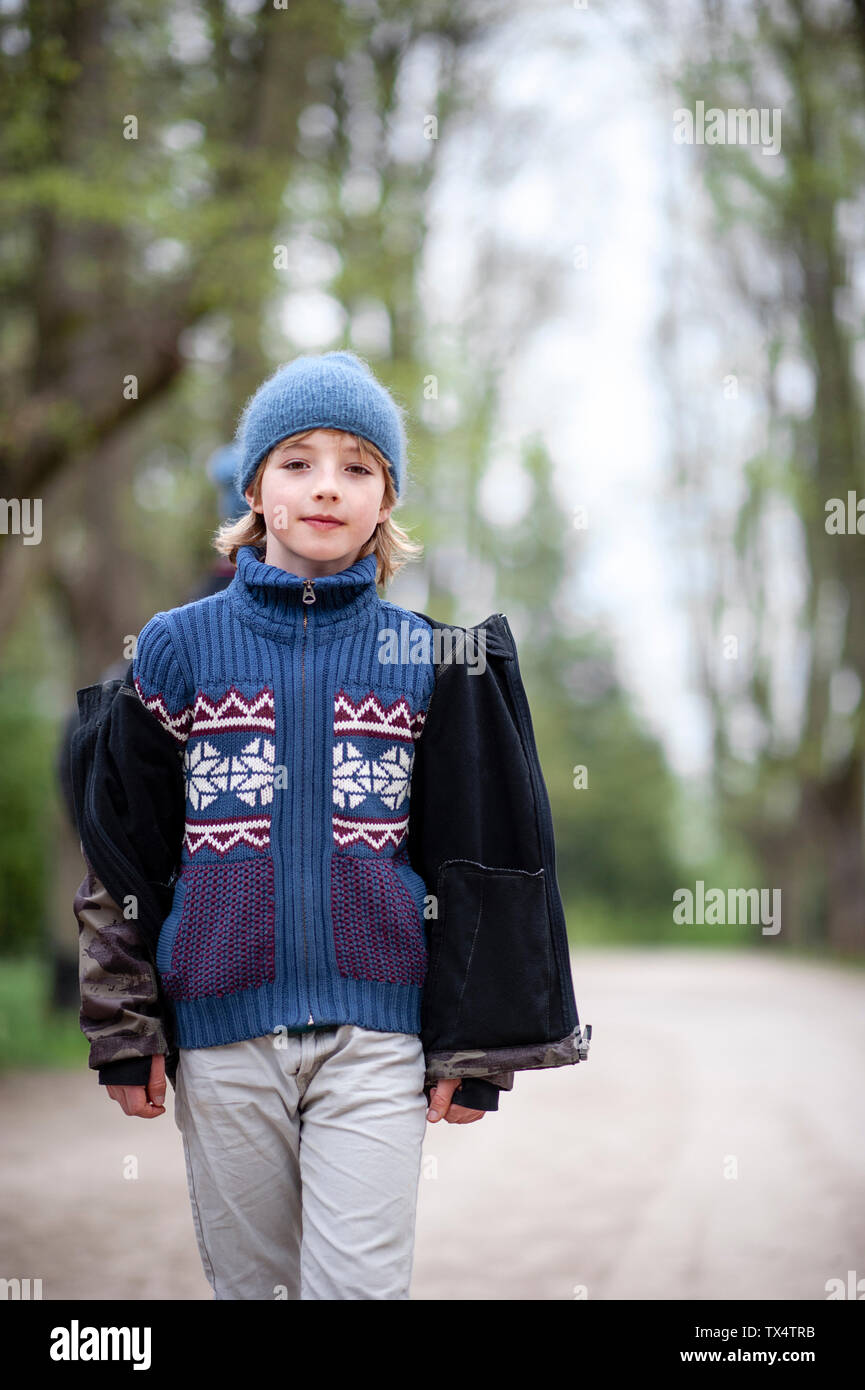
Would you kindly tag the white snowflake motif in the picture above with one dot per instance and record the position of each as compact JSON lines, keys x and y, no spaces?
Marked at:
{"x":352,"y":781}
{"x":252,"y":772}
{"x":391,"y":774}
{"x":205,"y":774}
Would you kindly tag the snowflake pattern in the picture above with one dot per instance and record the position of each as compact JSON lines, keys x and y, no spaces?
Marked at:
{"x":391,"y":776}
{"x":352,"y":779}
{"x":252,"y":772}
{"x":206,"y":774}
{"x":356,"y":776}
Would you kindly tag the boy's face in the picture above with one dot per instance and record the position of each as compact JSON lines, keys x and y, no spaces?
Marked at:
{"x":322,"y":475}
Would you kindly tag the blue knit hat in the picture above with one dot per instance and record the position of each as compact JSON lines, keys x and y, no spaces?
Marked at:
{"x":334,"y":390}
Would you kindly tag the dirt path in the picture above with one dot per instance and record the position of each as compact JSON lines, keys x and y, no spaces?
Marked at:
{"x":616,"y":1175}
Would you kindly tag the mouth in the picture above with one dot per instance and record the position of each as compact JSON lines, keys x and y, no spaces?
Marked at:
{"x":322,"y":523}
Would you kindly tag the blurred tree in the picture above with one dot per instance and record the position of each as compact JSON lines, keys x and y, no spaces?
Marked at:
{"x":155,"y":161}
{"x":611,"y":792}
{"x":175,"y":175}
{"x":192,"y":186}
{"x":613,"y":845}
{"x":788,"y":236}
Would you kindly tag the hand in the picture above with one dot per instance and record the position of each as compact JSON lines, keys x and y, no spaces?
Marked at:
{"x":442,"y":1105}
{"x":147,"y":1102}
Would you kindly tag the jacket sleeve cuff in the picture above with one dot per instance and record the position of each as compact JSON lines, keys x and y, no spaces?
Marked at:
{"x":127,"y":1071}
{"x":477,"y":1094}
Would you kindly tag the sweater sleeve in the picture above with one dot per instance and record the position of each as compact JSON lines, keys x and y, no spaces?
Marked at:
{"x":160,"y":680}
{"x":129,"y":1071}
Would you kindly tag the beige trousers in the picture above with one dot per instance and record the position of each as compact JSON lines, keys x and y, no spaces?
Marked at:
{"x":303,"y":1157}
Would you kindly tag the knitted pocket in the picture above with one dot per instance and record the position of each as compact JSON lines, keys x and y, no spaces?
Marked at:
{"x":378,"y":929}
{"x":376,"y":897}
{"x":219,"y":937}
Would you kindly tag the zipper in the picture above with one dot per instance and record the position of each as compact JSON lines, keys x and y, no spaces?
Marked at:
{"x":308,"y":597}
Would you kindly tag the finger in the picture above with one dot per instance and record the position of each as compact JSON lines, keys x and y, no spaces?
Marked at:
{"x":440,"y":1099}
{"x":118,"y":1093}
{"x":146,"y":1110}
{"x":156,"y":1085}
{"x":437,"y":1108}
{"x":134,"y":1101}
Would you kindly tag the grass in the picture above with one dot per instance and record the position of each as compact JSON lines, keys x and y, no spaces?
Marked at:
{"x":32,"y":1033}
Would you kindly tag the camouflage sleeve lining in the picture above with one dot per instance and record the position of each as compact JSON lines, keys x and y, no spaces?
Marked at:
{"x":120,"y":1012}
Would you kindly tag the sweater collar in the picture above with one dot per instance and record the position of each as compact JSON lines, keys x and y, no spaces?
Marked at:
{"x":271,"y":599}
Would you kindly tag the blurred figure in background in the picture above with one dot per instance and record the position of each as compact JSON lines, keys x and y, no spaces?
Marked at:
{"x":221,"y":468}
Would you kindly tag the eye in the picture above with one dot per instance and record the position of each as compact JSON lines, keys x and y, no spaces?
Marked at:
{"x":289,"y":463}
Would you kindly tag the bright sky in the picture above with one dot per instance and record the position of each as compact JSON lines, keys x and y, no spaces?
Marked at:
{"x":592,"y":177}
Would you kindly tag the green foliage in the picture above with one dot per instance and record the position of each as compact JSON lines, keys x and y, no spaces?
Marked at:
{"x":785,"y":239}
{"x":32,"y":1033}
{"x":27,"y":790}
{"x":614,"y":835}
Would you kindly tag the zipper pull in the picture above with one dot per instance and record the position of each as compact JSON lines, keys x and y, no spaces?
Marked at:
{"x":310,"y":1019}
{"x":308,"y":591}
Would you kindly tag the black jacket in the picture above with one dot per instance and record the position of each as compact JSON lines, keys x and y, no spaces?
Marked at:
{"x":498,"y":996}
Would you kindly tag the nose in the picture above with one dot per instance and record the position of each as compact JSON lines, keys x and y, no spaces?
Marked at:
{"x":326,"y":484}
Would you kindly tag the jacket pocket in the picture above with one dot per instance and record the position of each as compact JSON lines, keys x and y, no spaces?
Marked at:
{"x":378,"y":930}
{"x":219,"y":937}
{"x":490,"y":959}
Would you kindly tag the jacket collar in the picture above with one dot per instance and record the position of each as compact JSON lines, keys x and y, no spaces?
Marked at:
{"x":271,"y":599}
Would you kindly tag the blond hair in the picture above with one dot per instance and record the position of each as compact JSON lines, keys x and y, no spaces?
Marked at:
{"x":391,"y":545}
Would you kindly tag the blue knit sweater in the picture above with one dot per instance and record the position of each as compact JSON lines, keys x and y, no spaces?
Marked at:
{"x":297,"y":704}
